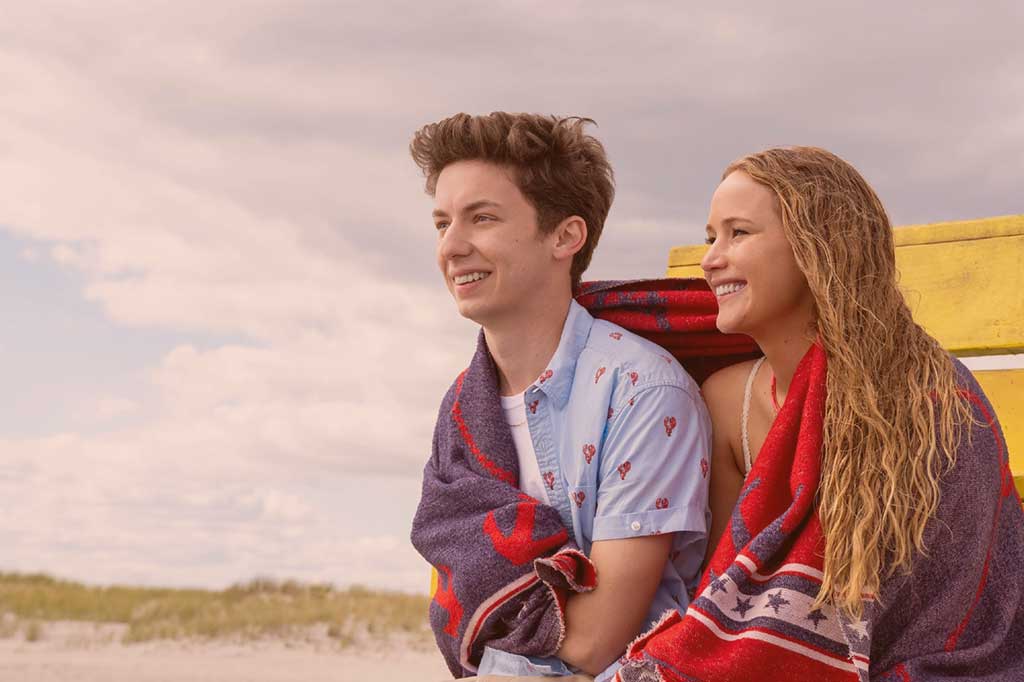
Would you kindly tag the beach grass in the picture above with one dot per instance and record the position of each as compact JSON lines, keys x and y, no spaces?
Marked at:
{"x":256,"y":609}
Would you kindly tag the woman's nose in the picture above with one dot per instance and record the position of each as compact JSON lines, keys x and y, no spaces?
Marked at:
{"x":712,"y":259}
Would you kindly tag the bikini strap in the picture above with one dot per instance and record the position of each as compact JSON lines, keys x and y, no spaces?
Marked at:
{"x":745,"y":416}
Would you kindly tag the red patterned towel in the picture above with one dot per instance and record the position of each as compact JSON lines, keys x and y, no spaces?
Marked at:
{"x":677,"y":314}
{"x":751,"y":618}
{"x":505,"y":562}
{"x":958,"y":615}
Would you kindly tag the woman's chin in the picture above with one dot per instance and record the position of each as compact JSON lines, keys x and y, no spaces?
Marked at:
{"x":728,"y":326}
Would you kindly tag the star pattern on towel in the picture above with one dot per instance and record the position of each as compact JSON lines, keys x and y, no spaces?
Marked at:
{"x":816,"y":616}
{"x":856,"y":634}
{"x":717,"y":583}
{"x":777,"y":601}
{"x":742,"y":606}
{"x":860,"y":628}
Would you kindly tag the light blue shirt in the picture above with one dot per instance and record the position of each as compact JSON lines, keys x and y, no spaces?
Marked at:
{"x":623,"y":441}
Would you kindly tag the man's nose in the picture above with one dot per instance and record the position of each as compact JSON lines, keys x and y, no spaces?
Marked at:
{"x":453,"y":242}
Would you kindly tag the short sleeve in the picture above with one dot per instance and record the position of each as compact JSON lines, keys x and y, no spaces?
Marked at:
{"x":654,"y":466}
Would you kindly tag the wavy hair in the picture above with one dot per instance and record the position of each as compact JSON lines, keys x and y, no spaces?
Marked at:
{"x":893,"y":414}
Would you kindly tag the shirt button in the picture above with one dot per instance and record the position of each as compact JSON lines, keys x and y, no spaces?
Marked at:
{"x":635,"y":525}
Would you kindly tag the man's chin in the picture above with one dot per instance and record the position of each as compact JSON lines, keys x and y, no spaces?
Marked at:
{"x":472,"y":310}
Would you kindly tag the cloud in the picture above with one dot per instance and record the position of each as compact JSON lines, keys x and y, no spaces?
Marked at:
{"x":122,"y":510}
{"x":109,"y":407}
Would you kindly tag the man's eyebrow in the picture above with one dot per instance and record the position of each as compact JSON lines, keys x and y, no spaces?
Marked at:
{"x":469,"y":208}
{"x":482,"y":203}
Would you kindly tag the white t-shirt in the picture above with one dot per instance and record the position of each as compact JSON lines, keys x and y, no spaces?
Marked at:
{"x":530,"y":481}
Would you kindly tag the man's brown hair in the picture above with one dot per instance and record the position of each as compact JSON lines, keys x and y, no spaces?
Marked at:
{"x":560,"y":169}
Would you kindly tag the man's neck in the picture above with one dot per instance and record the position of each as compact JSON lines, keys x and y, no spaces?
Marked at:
{"x":523,"y":348}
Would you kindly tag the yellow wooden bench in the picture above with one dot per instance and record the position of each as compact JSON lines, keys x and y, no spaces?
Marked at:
{"x":964,"y":282}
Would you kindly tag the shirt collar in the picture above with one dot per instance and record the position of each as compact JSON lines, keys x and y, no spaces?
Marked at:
{"x":556,"y":381}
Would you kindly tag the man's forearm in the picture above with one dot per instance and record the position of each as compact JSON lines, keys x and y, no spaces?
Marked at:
{"x":600,"y":624}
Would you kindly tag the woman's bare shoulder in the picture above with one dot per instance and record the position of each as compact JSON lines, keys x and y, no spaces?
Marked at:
{"x":725,"y":387}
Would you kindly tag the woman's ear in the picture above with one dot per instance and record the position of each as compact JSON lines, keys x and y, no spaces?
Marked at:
{"x":570,"y":236}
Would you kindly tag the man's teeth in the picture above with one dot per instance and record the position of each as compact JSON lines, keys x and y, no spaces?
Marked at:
{"x":471,"y":277}
{"x":723,"y":289}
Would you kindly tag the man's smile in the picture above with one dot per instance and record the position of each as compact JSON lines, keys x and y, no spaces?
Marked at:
{"x":469,"y":277}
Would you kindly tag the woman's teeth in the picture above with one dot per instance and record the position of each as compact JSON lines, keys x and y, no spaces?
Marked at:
{"x":723,"y":289}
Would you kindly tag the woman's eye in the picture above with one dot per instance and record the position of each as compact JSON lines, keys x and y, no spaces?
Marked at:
{"x":709,"y":240}
{"x":738,"y":231}
{"x":440,"y":226}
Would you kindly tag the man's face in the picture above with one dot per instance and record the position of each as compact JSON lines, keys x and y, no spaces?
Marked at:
{"x":489,"y":250}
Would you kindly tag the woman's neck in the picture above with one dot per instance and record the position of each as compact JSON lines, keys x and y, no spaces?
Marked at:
{"x":784,"y":351}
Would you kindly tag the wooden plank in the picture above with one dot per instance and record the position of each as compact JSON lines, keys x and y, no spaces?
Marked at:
{"x":959,"y":230}
{"x":686,"y":256}
{"x":685,"y":271}
{"x":1005,"y":390}
{"x":968,"y":294}
{"x":963,"y":280}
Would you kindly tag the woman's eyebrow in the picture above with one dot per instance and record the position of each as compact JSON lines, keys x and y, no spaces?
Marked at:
{"x":729,"y":222}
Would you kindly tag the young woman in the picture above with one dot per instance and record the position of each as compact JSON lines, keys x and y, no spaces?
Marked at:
{"x":881,"y":537}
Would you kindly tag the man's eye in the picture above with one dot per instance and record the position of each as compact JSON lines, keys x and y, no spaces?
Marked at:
{"x":441,"y":225}
{"x":480,"y":218}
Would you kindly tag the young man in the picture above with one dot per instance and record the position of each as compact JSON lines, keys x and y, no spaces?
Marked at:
{"x":607,"y":428}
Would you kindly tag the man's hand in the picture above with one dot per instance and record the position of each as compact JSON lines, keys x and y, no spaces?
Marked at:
{"x":600,"y":624}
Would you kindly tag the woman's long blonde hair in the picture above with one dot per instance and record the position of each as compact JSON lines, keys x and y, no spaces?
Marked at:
{"x":892,"y":411}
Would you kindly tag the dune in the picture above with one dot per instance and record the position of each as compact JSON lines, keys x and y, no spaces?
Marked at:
{"x":95,"y":652}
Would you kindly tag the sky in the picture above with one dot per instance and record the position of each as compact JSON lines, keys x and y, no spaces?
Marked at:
{"x":224,"y":338}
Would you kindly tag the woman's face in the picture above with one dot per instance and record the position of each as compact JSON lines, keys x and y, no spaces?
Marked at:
{"x":750,"y":265}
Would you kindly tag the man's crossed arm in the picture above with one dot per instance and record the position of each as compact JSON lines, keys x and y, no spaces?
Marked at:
{"x":600,"y":624}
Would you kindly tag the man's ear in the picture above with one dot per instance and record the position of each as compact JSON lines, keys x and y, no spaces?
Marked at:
{"x":570,"y":236}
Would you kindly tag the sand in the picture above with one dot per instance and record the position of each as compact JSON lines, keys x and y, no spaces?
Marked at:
{"x":84,"y":652}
